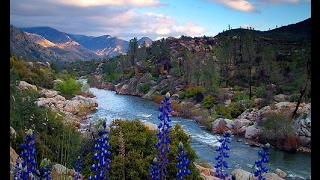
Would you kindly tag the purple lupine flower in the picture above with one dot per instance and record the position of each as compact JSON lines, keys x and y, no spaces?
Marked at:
{"x":102,"y":168}
{"x":154,"y":169}
{"x":222,"y":155}
{"x":164,"y":138}
{"x":45,"y":169}
{"x":259,"y":163}
{"x":28,"y":163}
{"x":183,"y":162}
{"x":78,"y":167}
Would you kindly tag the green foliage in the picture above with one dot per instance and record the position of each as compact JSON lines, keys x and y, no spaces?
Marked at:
{"x":191,"y":91}
{"x":223,"y":111}
{"x":237,"y":88}
{"x":236,"y":109}
{"x":64,"y":75}
{"x":112,"y":77}
{"x":78,"y":68}
{"x":129,"y":75}
{"x":294,"y":97}
{"x":261,"y":91}
{"x":154,"y":76}
{"x":230,"y":112}
{"x":133,"y":49}
{"x":139,"y":142}
{"x":208,"y":101}
{"x":145,"y":88}
{"x":34,"y":73}
{"x":241,"y":96}
{"x":54,"y":137}
{"x":69,"y":87}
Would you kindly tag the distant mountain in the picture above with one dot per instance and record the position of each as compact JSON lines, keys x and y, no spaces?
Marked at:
{"x":64,"y":46}
{"x":48,"y":33}
{"x":146,"y":39}
{"x":22,"y":45}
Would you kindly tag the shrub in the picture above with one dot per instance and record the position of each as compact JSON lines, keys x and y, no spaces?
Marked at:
{"x":191,"y":91}
{"x":69,"y":87}
{"x":224,"y":111}
{"x":145,"y":88}
{"x":261,"y":91}
{"x":208,"y":101}
{"x":236,"y":109}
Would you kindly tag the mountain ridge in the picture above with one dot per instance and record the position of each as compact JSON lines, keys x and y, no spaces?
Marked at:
{"x":62,"y":46}
{"x":44,"y":43}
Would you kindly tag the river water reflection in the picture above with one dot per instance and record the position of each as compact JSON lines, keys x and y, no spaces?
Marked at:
{"x":114,"y":106}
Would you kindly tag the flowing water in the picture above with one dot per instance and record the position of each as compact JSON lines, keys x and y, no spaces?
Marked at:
{"x":115,"y":106}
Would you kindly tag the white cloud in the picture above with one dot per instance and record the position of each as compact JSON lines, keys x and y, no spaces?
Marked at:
{"x":88,"y":3}
{"x":240,"y":5}
{"x":189,"y":29}
{"x":163,"y":31}
{"x":125,"y":22}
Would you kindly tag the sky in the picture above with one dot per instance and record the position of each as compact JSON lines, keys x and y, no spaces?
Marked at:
{"x":156,"y":19}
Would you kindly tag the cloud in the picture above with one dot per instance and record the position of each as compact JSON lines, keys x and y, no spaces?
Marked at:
{"x":190,"y":29}
{"x":123,"y":21}
{"x":165,"y":25}
{"x":251,"y":5}
{"x":240,"y":5}
{"x":269,"y":2}
{"x":88,"y":3}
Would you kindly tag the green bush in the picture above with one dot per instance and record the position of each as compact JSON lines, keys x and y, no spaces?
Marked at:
{"x":129,"y":75}
{"x":261,"y":91}
{"x":145,"y":88}
{"x":112,"y":77}
{"x":208,"y":101}
{"x":191,"y":91}
{"x":224,"y":111}
{"x":236,"y":109}
{"x":294,"y":97}
{"x":139,"y":141}
{"x":69,"y":87}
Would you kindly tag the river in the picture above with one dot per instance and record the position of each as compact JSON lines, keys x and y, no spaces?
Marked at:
{"x":115,"y":106}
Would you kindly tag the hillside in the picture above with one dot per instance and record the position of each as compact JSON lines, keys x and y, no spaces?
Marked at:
{"x":21,"y":45}
{"x":300,"y":31}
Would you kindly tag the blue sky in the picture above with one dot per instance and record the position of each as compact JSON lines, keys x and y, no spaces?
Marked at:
{"x":156,"y":19}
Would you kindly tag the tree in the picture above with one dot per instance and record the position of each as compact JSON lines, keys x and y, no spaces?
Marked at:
{"x":142,"y":52}
{"x":133,"y":49}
